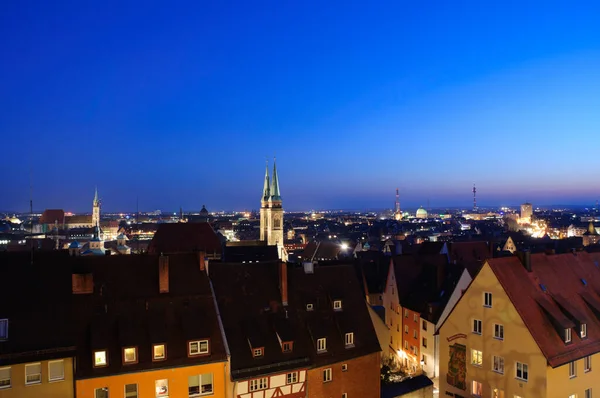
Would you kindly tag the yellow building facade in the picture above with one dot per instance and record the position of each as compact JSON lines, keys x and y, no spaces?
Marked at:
{"x":48,"y":379}
{"x":486,"y":350}
{"x":170,"y":382}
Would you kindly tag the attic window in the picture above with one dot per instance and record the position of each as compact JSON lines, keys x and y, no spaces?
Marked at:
{"x":198,"y":347}
{"x":321,"y":345}
{"x":349,"y":340}
{"x":100,"y":358}
{"x":130,"y":355}
{"x":3,"y":329}
{"x":286,"y":346}
{"x":257,"y":352}
{"x":337,"y":305}
{"x":567,"y":335}
{"x":583,"y":330}
{"x":309,"y":307}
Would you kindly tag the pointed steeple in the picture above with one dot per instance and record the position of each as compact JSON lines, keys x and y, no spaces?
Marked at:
{"x":96,"y":197}
{"x":266,"y":188}
{"x":275,"y":194}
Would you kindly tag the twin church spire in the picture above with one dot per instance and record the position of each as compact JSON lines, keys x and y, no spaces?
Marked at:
{"x":271,"y":187}
{"x":271,"y":212}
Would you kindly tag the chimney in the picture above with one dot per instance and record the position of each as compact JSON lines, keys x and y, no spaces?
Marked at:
{"x":527,"y":260}
{"x":163,"y":274}
{"x":308,"y":267}
{"x":283,"y":283}
{"x":201,"y":260}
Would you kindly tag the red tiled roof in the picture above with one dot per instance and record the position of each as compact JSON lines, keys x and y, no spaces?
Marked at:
{"x":185,"y":238}
{"x":49,"y":216}
{"x":541,"y":296}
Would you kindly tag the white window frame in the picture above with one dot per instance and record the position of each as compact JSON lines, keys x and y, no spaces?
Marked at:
{"x":487,"y":299}
{"x":159,"y":358}
{"x":200,"y":393}
{"x":344,"y":367}
{"x":498,"y":364}
{"x":476,"y":357}
{"x":572,"y":369}
{"x":259,"y":384}
{"x":498,"y":331}
{"x":61,"y":361}
{"x":568,"y":335}
{"x":583,"y":331}
{"x":257,"y":352}
{"x":337,"y":305}
{"x":291,"y":378}
{"x":349,"y":339}
{"x":477,"y":326}
{"x":309,"y":307}
{"x":587,"y":363}
{"x":96,"y":364}
{"x":327,"y":375}
{"x":200,"y":352}
{"x":286,"y":344}
{"x":137,"y":390}
{"x":524,"y":369}
{"x":156,"y":382}
{"x":322,"y":345}
{"x":4,"y":329}
{"x":9,"y":385}
{"x":39,"y":380}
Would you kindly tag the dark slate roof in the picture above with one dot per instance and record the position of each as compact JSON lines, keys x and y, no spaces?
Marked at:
{"x":394,"y":390}
{"x":35,"y":297}
{"x":373,"y":267}
{"x":324,"y":249}
{"x":185,"y":238}
{"x":126,"y":309}
{"x":50,"y":216}
{"x":238,"y":253}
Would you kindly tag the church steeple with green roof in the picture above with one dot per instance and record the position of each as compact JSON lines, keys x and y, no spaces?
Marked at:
{"x":267,"y":186}
{"x":275,"y":194}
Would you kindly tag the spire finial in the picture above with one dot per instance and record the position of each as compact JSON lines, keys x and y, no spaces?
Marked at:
{"x":275,"y":194}
{"x":267,"y":186}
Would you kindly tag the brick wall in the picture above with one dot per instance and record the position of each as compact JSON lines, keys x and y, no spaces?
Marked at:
{"x":361,"y":380}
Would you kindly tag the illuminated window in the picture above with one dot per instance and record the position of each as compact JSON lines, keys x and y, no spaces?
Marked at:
{"x":476,"y":357}
{"x":292,"y":378}
{"x":326,"y":375}
{"x":476,"y":388}
{"x":131,"y":391}
{"x":498,"y":364}
{"x":487,"y":299}
{"x":100,"y":358}
{"x":259,"y":384}
{"x":497,"y":393}
{"x":161,"y":388}
{"x":477,"y":326}
{"x":257,"y":352}
{"x":33,"y":373}
{"x":198,"y":347}
{"x":349,"y":340}
{"x":199,"y":385}
{"x":101,"y":392}
{"x":4,"y":378}
{"x":337,"y":305}
{"x":309,"y":307}
{"x":321,"y":345}
{"x":56,"y":370}
{"x":572,"y":369}
{"x":159,"y":352}
{"x":522,"y":371}
{"x":499,"y":331}
{"x":130,"y":355}
{"x":587,"y":363}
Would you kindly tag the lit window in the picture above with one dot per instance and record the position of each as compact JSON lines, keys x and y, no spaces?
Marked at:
{"x":327,"y":375}
{"x":583,"y":331}
{"x":101,"y":392}
{"x":572,"y":369}
{"x":199,"y":385}
{"x":4,"y":378}
{"x":487,"y":299}
{"x":159,"y":352}
{"x":258,"y":384}
{"x":198,"y":347}
{"x":522,"y":371}
{"x":162,"y":388}
{"x":286,"y":346}
{"x":3,"y":329}
{"x":477,"y":326}
{"x":292,"y":378}
{"x":476,"y":357}
{"x":497,"y":393}
{"x":498,"y":364}
{"x":309,"y":307}
{"x":337,"y":305}
{"x":257,"y":352}
{"x":56,"y":370}
{"x":499,"y":331}
{"x":131,"y":391}
{"x":568,"y":335}
{"x":344,"y":367}
{"x":349,"y":340}
{"x":587,"y":363}
{"x":476,"y":388}
{"x":321,"y":345}
{"x":130,"y":355}
{"x":33,"y":373}
{"x":100,"y":358}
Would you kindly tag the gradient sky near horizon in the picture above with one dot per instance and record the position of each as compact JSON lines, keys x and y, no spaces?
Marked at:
{"x":179,"y":104}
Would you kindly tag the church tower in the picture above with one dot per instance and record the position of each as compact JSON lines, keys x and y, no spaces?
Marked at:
{"x":96,"y":210}
{"x":271,"y":213}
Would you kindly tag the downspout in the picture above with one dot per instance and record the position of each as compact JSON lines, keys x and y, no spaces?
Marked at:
{"x":222,"y":329}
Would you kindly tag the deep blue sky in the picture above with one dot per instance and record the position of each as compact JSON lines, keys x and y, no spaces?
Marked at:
{"x":180,"y":103}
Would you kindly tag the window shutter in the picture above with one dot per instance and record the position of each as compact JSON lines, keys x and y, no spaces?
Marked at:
{"x":56,"y":370}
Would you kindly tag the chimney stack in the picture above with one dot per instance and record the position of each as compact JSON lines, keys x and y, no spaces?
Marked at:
{"x":163,"y":274}
{"x":283,"y":283}
{"x":201,"y":260}
{"x":527,"y":260}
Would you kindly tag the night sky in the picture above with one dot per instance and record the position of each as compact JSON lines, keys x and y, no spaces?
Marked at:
{"x":180,"y":104}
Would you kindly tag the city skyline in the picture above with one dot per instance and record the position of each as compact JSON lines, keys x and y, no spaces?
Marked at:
{"x":179,"y":107}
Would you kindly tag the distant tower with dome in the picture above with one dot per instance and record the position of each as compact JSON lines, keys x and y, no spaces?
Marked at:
{"x":421,"y":213}
{"x":271,"y":212}
{"x":96,"y":210}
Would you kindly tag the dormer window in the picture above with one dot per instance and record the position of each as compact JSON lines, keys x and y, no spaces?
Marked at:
{"x":337,"y":305}
{"x":568,"y":335}
{"x":159,"y":352}
{"x":286,"y":346}
{"x":198,"y":347}
{"x":3,"y":329}
{"x":100,"y":358}
{"x":349,"y":340}
{"x":583,"y":331}
{"x":130,"y":355}
{"x":257,"y":352}
{"x":321,"y":345}
{"x":309,"y":307}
